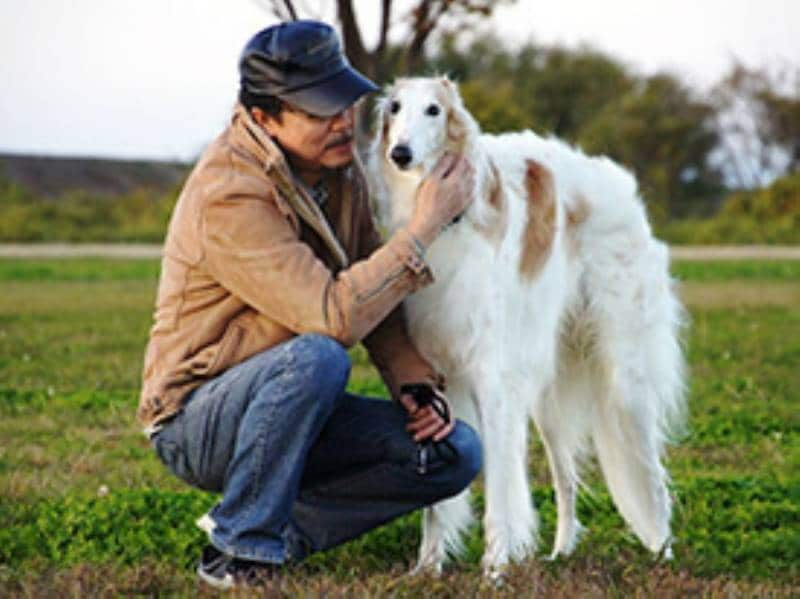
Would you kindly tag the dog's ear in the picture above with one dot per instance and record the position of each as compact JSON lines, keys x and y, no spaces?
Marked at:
{"x":381,"y":117}
{"x":460,"y":124}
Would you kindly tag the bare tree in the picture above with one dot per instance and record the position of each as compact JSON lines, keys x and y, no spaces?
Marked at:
{"x":758,"y":120}
{"x":418,"y":20}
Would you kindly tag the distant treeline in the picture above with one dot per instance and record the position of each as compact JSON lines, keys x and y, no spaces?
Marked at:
{"x":718,"y":169}
{"x":688,"y":151}
{"x":768,"y":215}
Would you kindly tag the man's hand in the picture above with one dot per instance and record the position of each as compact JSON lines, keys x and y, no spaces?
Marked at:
{"x":425,"y":423}
{"x":444,"y":195}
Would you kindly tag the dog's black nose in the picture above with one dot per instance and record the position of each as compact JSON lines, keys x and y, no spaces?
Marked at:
{"x":401,"y":154}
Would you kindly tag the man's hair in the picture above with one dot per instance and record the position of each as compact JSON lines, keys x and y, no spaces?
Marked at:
{"x":269,"y":104}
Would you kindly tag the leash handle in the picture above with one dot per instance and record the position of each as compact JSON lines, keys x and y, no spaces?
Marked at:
{"x":424,"y":395}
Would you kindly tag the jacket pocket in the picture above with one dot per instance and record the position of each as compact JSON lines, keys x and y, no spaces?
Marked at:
{"x":227,"y":349}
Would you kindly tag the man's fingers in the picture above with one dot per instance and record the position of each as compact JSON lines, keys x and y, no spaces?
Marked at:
{"x":445,"y":165}
{"x":461,"y":167}
{"x":407,"y":401}
{"x":445,"y":431}
{"x":428,"y":431}
{"x":429,"y":424}
{"x":424,"y":418}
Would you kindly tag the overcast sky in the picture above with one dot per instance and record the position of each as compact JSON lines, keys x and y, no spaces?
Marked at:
{"x":157,"y":78}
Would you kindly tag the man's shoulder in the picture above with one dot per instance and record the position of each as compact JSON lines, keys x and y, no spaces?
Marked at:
{"x":226,"y":169}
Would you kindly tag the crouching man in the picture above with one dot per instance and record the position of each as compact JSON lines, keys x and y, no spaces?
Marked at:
{"x":272,"y":267}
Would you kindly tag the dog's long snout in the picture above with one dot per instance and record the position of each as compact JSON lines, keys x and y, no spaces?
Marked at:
{"x":401,"y":155}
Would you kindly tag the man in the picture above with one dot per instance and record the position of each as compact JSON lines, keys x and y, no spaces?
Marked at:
{"x":272,"y":266}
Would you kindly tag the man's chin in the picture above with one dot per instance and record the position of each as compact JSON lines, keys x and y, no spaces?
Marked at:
{"x":338,"y":162}
{"x":338,"y":159}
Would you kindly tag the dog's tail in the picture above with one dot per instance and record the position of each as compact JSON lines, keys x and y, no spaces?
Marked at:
{"x":641,"y":386}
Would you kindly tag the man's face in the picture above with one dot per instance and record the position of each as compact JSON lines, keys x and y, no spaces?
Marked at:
{"x":312,"y":142}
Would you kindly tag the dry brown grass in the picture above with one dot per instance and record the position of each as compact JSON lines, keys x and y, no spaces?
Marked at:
{"x":587,"y":579}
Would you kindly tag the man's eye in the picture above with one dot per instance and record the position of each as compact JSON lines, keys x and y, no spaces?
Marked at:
{"x":432,"y":110}
{"x":394,"y":107}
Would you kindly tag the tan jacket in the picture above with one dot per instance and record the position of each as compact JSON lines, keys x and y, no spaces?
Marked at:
{"x":250,"y":260}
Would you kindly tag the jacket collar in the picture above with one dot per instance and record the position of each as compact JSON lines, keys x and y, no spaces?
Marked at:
{"x":270,"y":156}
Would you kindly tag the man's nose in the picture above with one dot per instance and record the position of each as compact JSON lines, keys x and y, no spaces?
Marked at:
{"x":344,"y":120}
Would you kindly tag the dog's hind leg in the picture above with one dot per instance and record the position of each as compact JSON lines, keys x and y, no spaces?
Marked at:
{"x":562,"y":420}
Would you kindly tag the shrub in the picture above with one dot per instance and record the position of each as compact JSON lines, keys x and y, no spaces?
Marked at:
{"x":78,"y":216}
{"x":770,"y":215}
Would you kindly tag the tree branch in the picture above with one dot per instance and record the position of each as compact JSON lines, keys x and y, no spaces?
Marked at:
{"x":353,"y":45}
{"x":425,"y":16}
{"x":386,"y":14}
{"x":290,"y":9}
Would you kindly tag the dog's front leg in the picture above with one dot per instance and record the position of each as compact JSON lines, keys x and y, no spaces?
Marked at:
{"x":444,"y":523}
{"x":442,"y":527}
{"x":510,"y":521}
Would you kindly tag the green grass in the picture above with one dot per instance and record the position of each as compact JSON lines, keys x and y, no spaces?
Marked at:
{"x":738,"y":270}
{"x":86,"y":508}
{"x":82,"y":270}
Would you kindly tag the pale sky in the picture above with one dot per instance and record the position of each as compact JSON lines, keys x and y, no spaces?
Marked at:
{"x":157,"y":78}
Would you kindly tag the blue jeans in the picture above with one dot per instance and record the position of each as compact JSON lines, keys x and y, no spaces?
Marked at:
{"x":301,"y":464}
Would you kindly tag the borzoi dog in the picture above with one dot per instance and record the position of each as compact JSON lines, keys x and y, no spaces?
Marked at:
{"x":551,"y":300}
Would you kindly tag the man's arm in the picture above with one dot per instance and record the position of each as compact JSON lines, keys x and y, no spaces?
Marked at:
{"x":254,"y":252}
{"x":389,"y":346}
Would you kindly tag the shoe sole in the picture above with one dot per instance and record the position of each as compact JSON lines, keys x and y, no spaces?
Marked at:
{"x":225,"y":584}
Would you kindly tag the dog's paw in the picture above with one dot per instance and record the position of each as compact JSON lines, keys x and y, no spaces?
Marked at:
{"x":495,"y":576}
{"x":433,"y":569}
{"x":565,"y":548}
{"x":665,"y":554}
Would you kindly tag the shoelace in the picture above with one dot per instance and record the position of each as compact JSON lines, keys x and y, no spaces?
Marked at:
{"x":424,"y":395}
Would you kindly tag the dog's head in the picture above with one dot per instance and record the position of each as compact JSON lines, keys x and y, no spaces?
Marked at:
{"x":419,"y":120}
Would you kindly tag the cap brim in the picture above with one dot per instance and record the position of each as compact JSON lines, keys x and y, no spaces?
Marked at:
{"x":333,"y":95}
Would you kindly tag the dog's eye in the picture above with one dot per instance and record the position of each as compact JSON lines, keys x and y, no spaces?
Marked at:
{"x":394,"y":107}
{"x":432,"y":110}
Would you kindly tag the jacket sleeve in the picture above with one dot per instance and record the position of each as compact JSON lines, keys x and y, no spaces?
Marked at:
{"x":252,"y":249}
{"x":389,"y":346}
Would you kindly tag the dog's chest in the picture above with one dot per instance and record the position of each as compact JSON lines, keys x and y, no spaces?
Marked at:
{"x":447,"y":318}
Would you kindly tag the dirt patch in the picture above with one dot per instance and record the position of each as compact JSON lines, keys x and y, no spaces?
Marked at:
{"x":80,"y":250}
{"x":735,"y":252}
{"x":143,"y":250}
{"x":734,"y":294}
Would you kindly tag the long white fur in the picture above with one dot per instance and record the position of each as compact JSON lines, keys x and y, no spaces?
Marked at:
{"x":589,"y":347}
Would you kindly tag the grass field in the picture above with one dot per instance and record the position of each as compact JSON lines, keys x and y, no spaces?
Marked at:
{"x":86,"y":509}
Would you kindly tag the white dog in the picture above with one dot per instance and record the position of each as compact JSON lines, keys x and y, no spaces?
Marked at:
{"x":551,"y":300}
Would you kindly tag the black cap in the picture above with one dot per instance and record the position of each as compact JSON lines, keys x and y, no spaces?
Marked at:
{"x":302,"y":63}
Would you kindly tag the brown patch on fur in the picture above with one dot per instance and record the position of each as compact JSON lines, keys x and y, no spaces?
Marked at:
{"x":385,"y":129}
{"x":576,"y":216}
{"x":495,"y":230}
{"x":456,"y":129}
{"x":540,"y":230}
{"x":579,"y":212}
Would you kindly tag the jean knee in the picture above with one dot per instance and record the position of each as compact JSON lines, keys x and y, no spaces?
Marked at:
{"x":467,"y":445}
{"x":325,"y":354}
{"x":322,"y":360}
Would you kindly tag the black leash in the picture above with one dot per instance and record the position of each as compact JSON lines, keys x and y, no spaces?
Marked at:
{"x":424,"y":395}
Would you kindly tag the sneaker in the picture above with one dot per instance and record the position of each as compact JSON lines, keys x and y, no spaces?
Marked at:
{"x":225,"y":572}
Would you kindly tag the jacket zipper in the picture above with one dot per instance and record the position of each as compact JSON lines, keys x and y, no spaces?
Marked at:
{"x":365,"y":297}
